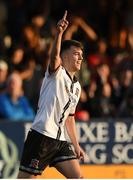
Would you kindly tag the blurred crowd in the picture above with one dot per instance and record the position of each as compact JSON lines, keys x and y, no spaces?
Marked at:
{"x":27,"y":30}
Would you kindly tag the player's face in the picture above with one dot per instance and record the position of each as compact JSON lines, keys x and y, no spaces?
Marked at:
{"x":74,"y":58}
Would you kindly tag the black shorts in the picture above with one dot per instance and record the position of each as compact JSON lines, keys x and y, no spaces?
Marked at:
{"x":40,"y":151}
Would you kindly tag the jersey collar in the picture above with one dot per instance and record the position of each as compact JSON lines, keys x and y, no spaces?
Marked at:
{"x":74,"y":80}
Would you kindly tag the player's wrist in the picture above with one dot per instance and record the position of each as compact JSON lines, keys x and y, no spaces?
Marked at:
{"x":59,"y":33}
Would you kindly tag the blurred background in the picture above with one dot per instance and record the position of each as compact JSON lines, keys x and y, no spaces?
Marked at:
{"x":104,"y":115}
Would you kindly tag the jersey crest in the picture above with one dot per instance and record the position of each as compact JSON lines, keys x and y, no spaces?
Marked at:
{"x":77,"y":92}
{"x":34,"y":163}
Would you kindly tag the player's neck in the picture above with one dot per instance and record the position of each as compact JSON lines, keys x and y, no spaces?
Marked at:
{"x":71,"y":73}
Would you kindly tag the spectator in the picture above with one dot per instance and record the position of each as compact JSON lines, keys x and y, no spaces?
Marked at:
{"x":32,"y":76}
{"x":126,"y":107}
{"x":3,"y":75}
{"x":106,"y":105}
{"x":16,"y":58}
{"x":13,"y":105}
{"x":100,"y":54}
{"x":101,"y":77}
{"x":35,"y":44}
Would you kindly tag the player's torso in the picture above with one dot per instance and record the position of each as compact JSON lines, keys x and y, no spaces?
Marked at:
{"x":58,"y":98}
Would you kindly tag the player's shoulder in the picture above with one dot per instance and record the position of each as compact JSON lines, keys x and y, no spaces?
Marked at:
{"x":56,"y":73}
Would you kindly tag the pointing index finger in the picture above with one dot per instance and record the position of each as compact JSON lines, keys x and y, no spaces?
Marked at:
{"x":65,"y":15}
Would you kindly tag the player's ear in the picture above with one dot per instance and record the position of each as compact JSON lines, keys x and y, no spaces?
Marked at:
{"x":64,"y":56}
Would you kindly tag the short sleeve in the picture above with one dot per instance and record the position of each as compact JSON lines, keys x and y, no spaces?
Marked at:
{"x":55,"y":74}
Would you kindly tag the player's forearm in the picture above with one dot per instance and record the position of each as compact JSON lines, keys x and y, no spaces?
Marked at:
{"x":55,"y":53}
{"x":71,"y":130}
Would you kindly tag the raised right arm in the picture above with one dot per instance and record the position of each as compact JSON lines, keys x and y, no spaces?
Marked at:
{"x":55,"y":59}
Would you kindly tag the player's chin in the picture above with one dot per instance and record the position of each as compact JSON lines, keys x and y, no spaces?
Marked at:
{"x":78,"y":68}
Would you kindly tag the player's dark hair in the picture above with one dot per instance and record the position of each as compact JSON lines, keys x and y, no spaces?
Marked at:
{"x":66,"y":44}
